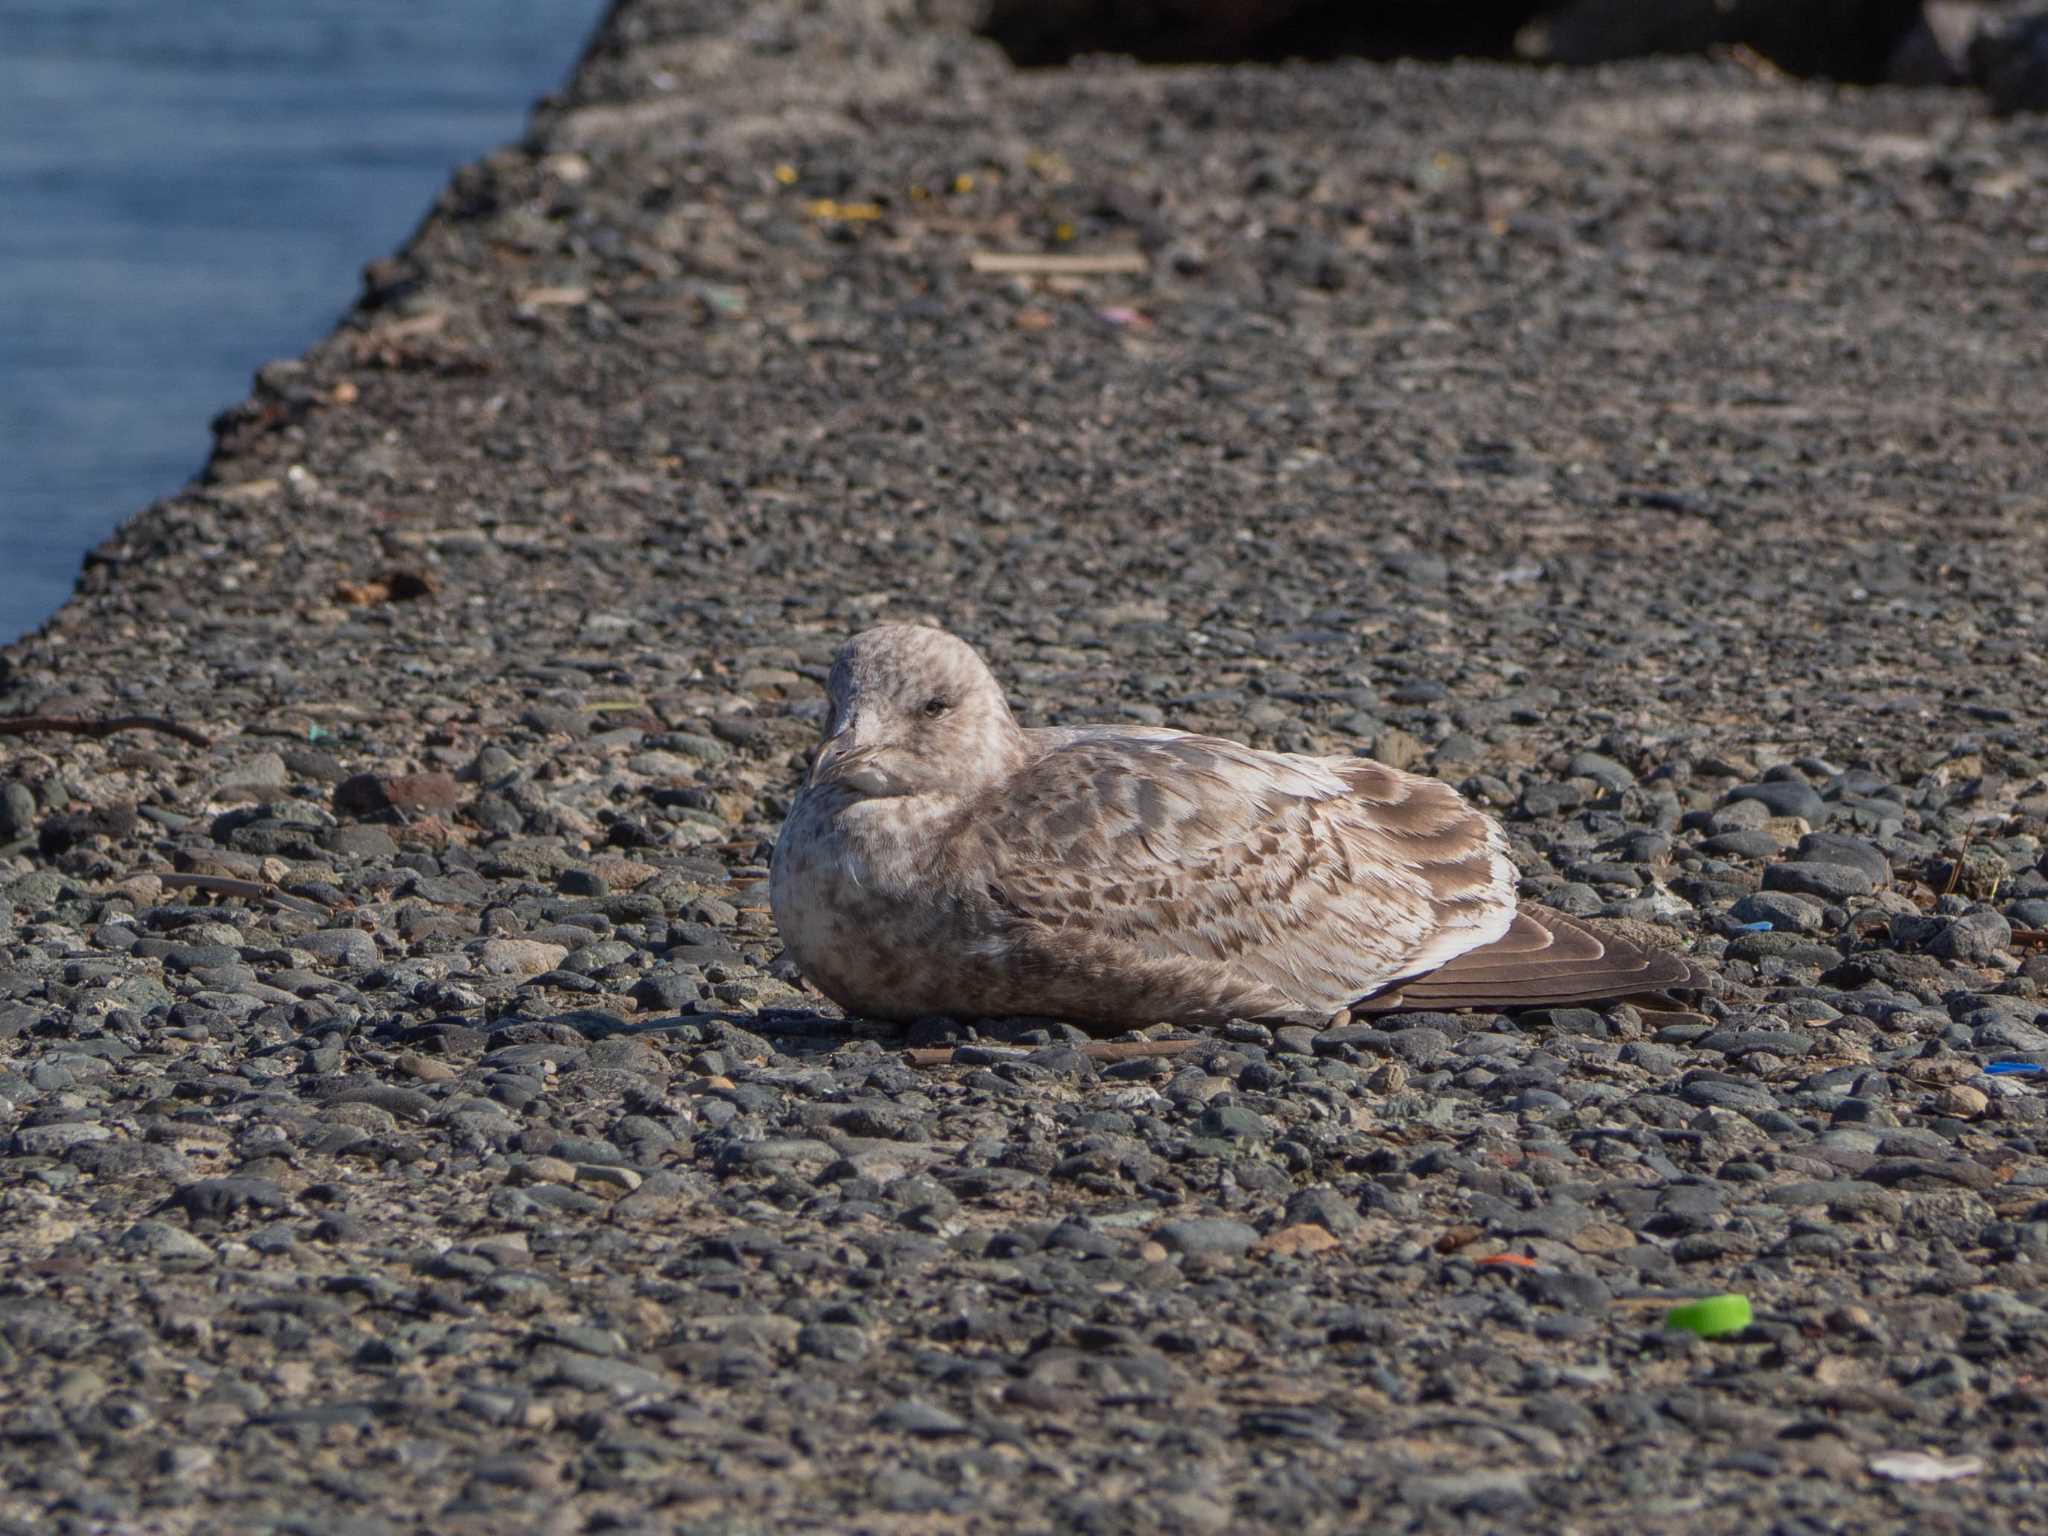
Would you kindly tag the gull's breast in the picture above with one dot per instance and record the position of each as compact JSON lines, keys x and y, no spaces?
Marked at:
{"x":874,"y":938}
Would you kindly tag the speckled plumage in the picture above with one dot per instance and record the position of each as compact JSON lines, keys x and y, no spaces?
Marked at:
{"x":942,"y":860}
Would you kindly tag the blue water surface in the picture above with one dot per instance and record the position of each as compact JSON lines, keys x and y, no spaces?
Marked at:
{"x":189,"y":190}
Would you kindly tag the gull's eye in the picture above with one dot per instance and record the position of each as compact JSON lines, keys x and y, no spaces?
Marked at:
{"x":933,"y":708}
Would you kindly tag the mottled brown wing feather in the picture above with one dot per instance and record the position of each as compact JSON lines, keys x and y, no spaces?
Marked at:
{"x":1300,"y":882}
{"x":1544,"y":958}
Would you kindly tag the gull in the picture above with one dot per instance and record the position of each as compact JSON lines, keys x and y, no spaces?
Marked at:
{"x":940,"y":859}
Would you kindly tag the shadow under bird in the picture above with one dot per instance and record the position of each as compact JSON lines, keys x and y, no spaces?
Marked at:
{"x":941,"y":859}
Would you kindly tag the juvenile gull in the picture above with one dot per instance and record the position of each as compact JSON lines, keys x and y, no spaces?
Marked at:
{"x":940,"y":859}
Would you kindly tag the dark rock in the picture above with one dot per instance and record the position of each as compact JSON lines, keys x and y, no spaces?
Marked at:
{"x":1972,"y":938}
{"x":1785,"y":911}
{"x":1782,"y":797}
{"x":57,"y":1138}
{"x":1829,"y":882}
{"x":1206,"y":1235}
{"x":370,"y":794}
{"x":1232,"y":1122}
{"x":913,"y":1416}
{"x":1541,"y":799}
{"x":217,"y":1199}
{"x":1322,"y":1206}
{"x":347,"y":947}
{"x":17,"y":811}
{"x":1840,"y":848}
{"x":1571,"y":1292}
{"x":60,"y":834}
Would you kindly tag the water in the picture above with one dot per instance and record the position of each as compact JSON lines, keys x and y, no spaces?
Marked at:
{"x":189,"y":190}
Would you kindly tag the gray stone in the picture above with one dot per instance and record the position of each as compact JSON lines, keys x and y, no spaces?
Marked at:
{"x":1841,"y":848}
{"x":1785,"y":911}
{"x":777,"y":1152}
{"x":2010,"y":1035}
{"x":1206,"y":1235}
{"x":17,"y":812}
{"x":348,"y":948}
{"x":1546,"y":799}
{"x":1782,"y":797}
{"x":518,"y":957}
{"x":214,"y":1199}
{"x":1842,"y":1197}
{"x":1321,"y":1206}
{"x":1972,"y":938}
{"x":1718,"y":1093}
{"x":54,"y":1140}
{"x":162,"y":1240}
{"x":1604,"y":771}
{"x":837,"y":1342}
{"x":914,"y":1416}
{"x":259,"y":779}
{"x":613,"y":1378}
{"x":1232,"y":1122}
{"x":1830,"y":882}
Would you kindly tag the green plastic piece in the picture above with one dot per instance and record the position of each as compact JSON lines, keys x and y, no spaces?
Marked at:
{"x":1711,"y":1316}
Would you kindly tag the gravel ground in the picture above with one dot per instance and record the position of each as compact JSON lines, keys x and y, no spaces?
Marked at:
{"x":404,"y":1121}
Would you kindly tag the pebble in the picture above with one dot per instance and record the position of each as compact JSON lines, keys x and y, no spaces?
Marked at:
{"x":367,"y":794}
{"x":1962,"y":1101}
{"x":1829,"y":882}
{"x":1305,"y":1238}
{"x":348,"y":948}
{"x":1845,"y":851}
{"x":1972,"y":938}
{"x":518,"y":957}
{"x":1779,"y":906}
{"x":1782,"y":798}
{"x":17,"y":811}
{"x":55,"y":1139}
{"x":1206,"y":1235}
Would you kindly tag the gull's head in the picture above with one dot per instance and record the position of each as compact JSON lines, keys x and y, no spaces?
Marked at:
{"x":914,"y":711}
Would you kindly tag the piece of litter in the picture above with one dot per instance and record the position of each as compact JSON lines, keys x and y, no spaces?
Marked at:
{"x":832,"y":210}
{"x":1508,"y":1261}
{"x":1711,"y":1316}
{"x":1760,"y":927}
{"x":1925,"y":1466}
{"x":1063,"y":264}
{"x":2011,"y":1069}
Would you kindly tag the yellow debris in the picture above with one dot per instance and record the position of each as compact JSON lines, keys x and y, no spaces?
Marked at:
{"x":848,"y":213}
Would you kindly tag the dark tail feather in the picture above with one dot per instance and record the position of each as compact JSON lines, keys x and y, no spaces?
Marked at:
{"x":1543,"y":959}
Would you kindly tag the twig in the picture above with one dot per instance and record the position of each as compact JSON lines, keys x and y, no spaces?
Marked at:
{"x":1078,"y":264}
{"x":1095,"y":1050}
{"x":1955,"y":869}
{"x":74,"y":725}
{"x":248,"y":890}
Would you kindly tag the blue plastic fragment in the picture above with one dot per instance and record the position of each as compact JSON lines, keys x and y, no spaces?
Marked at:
{"x":2013,"y":1069}
{"x":1763,"y":927}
